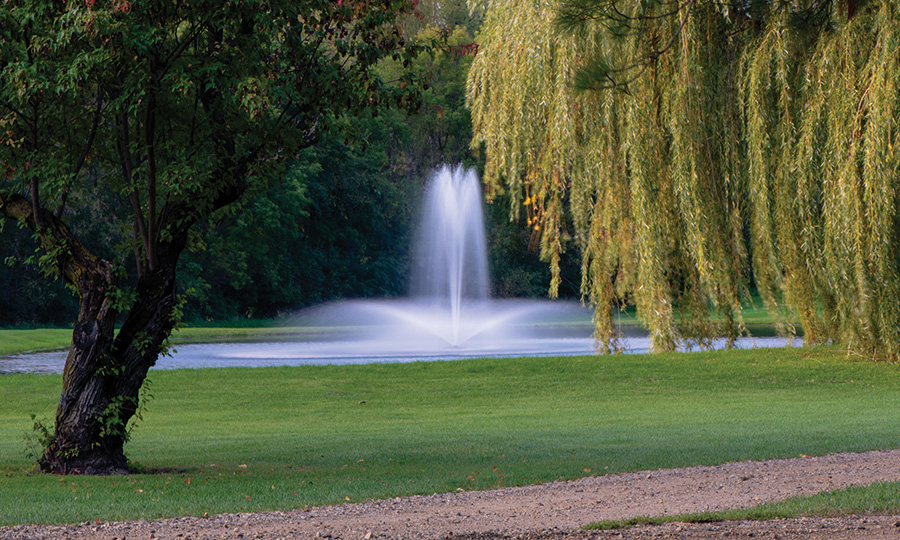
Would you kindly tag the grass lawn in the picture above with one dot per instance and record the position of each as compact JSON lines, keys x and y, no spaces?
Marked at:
{"x":249,"y":439}
{"x":15,"y":341}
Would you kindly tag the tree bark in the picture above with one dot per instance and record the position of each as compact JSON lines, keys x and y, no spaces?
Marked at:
{"x":80,"y":443}
{"x":104,"y":371}
{"x":103,"y":378}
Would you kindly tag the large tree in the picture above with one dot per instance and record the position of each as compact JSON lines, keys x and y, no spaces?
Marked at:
{"x":175,"y":110}
{"x":704,"y":147}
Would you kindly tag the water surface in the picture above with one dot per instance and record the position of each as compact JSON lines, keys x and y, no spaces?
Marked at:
{"x":217,"y":355}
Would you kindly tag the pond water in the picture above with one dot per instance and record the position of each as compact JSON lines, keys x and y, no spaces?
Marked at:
{"x":217,"y":355}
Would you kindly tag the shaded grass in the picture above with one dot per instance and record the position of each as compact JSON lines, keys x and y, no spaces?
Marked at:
{"x":18,"y":341}
{"x":15,"y":341}
{"x":758,"y":321}
{"x":214,"y":334}
{"x":250,"y":439}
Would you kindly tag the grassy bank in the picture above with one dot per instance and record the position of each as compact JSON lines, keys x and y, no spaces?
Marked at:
{"x":230,"y":440}
{"x":16,"y":341}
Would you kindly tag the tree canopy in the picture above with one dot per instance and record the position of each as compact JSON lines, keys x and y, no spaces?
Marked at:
{"x":704,"y":148}
{"x":158,"y":114}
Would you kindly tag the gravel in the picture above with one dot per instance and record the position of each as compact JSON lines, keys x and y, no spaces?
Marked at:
{"x":550,"y":511}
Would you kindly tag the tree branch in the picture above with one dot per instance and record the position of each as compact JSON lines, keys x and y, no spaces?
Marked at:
{"x":84,"y":154}
{"x":150,"y":144}
{"x":73,"y":259}
{"x":642,"y":64}
{"x":128,"y":173}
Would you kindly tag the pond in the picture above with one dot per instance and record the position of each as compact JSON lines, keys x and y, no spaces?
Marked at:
{"x":286,"y":353}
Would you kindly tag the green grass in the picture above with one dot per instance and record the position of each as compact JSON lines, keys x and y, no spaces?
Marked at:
{"x":245,"y":439}
{"x":758,"y":320}
{"x":16,"y":341}
{"x":880,"y":498}
{"x":213,"y":334}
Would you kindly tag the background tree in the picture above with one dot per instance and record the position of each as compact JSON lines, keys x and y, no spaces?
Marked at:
{"x":28,"y":297}
{"x":703,"y":148}
{"x":353,"y":207}
{"x":174,"y":110}
{"x":349,"y":205}
{"x":337,"y":227}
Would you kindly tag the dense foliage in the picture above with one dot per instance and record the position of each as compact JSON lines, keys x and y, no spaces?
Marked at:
{"x":703,"y":148}
{"x":156,"y":116}
{"x":340,"y":223}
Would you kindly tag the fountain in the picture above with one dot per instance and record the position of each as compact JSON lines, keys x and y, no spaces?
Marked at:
{"x":449,"y":310}
{"x":451,"y":270}
{"x":450,"y":291}
{"x":448,"y":315}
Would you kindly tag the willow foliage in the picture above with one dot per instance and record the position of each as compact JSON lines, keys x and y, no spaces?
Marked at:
{"x":700,"y":149}
{"x":531,"y":101}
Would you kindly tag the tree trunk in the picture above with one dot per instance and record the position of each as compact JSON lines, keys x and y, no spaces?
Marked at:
{"x":83,"y":439}
{"x":103,"y":376}
{"x":78,"y":444}
{"x":105,"y":370}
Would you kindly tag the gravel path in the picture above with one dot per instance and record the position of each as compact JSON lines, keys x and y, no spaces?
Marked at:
{"x":550,"y":511}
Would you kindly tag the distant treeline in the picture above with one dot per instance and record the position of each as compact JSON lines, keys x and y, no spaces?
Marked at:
{"x":341,"y":227}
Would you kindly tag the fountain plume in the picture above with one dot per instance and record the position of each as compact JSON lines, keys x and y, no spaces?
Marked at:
{"x":451,"y":269}
{"x":449,"y":306}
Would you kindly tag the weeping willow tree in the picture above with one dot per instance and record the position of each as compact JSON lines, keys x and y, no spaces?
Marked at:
{"x":700,"y":149}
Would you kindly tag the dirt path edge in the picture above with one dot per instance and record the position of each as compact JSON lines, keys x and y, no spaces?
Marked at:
{"x":551,"y":511}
